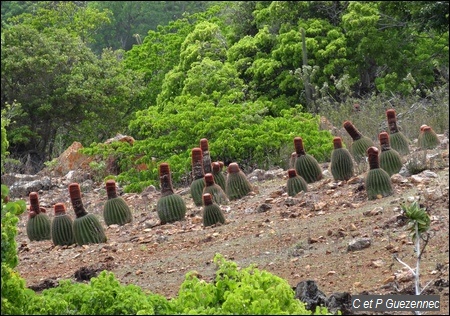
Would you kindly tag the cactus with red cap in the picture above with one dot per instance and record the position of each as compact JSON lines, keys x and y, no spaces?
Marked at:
{"x":341,"y":165}
{"x":212,"y":214}
{"x":237,"y":185}
{"x":170,"y":206}
{"x":360,"y":142}
{"x":62,"y":227}
{"x":115,"y":210}
{"x":198,"y":184}
{"x":378,"y":182}
{"x":39,"y":224}
{"x":398,"y":140}
{"x":306,"y":165}
{"x":204,"y":146}
{"x":295,"y":183}
{"x":390,"y":159}
{"x":218,"y":194}
{"x":87,"y":228}
{"x":428,"y":138}
{"x":218,"y":175}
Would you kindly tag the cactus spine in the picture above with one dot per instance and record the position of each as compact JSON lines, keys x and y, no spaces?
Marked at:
{"x":295,"y":183}
{"x":116,"y":210}
{"x":212,"y":214}
{"x":198,"y":184}
{"x":207,"y":168}
{"x":62,"y":227}
{"x":87,"y":228}
{"x":237,"y":185}
{"x":306,"y":165}
{"x":39,"y":224}
{"x":218,"y":194}
{"x":390,"y":159}
{"x":427,"y":139}
{"x":218,"y":175}
{"x":398,"y":140}
{"x":341,"y":165}
{"x":170,"y":206}
{"x":377,"y":182}
{"x":360,"y":142}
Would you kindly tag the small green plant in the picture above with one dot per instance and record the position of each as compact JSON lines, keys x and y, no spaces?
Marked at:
{"x":115,"y":210}
{"x":170,"y":206}
{"x":237,"y":185}
{"x":39,"y":224}
{"x":360,"y":142}
{"x":306,"y":165}
{"x":62,"y":227}
{"x":390,"y":159}
{"x":295,"y":183}
{"x":212,"y":214}
{"x":378,"y":183}
{"x":341,"y":166}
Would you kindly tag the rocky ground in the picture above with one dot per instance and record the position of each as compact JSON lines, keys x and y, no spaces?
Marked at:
{"x":299,"y":238}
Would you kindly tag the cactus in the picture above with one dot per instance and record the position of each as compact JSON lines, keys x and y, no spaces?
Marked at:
{"x":87,"y":228}
{"x":341,"y":165}
{"x":212,"y":214}
{"x":360,"y":142}
{"x":204,"y":146}
{"x":390,"y":159}
{"x":398,"y":140}
{"x":115,"y":210}
{"x":237,"y":184}
{"x":295,"y":183}
{"x":62,"y":227}
{"x":39,"y":224}
{"x":218,"y":175}
{"x":427,"y":139}
{"x":377,"y":182}
{"x":306,"y":165}
{"x":218,"y":194}
{"x":292,"y":160}
{"x":170,"y":206}
{"x":198,"y":184}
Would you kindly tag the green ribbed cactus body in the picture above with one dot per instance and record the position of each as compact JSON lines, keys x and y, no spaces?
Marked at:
{"x":197,"y":187}
{"x":295,"y":183}
{"x":237,"y":185}
{"x":116,"y":211}
{"x":341,"y":165}
{"x":212,"y":214}
{"x":360,"y":146}
{"x":220,"y":179}
{"x":390,"y":161}
{"x":87,"y":229}
{"x":171,"y":208}
{"x":378,"y":182}
{"x":400,"y":143}
{"x":308,"y":168}
{"x":62,"y":230}
{"x":39,"y":227}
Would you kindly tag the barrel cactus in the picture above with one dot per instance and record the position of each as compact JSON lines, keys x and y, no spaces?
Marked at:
{"x":198,"y":184}
{"x":218,"y":175}
{"x":62,"y":227}
{"x":170,"y":206}
{"x":341,"y":165}
{"x":237,"y":185}
{"x":390,"y":159}
{"x":398,"y":140}
{"x":360,"y":142}
{"x":207,"y":168}
{"x":428,"y":138}
{"x":377,"y":182}
{"x":87,"y":228}
{"x":218,"y":194}
{"x":306,"y":165}
{"x":295,"y":183}
{"x":39,"y":224}
{"x":115,"y":210}
{"x":212,"y":214}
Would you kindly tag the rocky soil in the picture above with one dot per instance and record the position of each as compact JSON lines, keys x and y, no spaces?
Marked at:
{"x":299,"y":238}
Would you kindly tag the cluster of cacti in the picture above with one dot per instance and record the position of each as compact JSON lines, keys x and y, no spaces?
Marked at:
{"x":115,"y":210}
{"x":378,"y":182}
{"x":212,"y":214}
{"x":237,"y":184}
{"x":389,"y":158}
{"x":341,"y":164}
{"x":207,"y":168}
{"x":398,"y":141}
{"x":218,"y":194}
{"x":306,"y":165}
{"x":87,"y":228}
{"x":428,"y":138}
{"x":360,"y":142}
{"x":39,"y":224}
{"x":170,"y":206}
{"x":295,"y":183}
{"x":62,"y":227}
{"x":198,"y":184}
{"x":218,"y":175}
